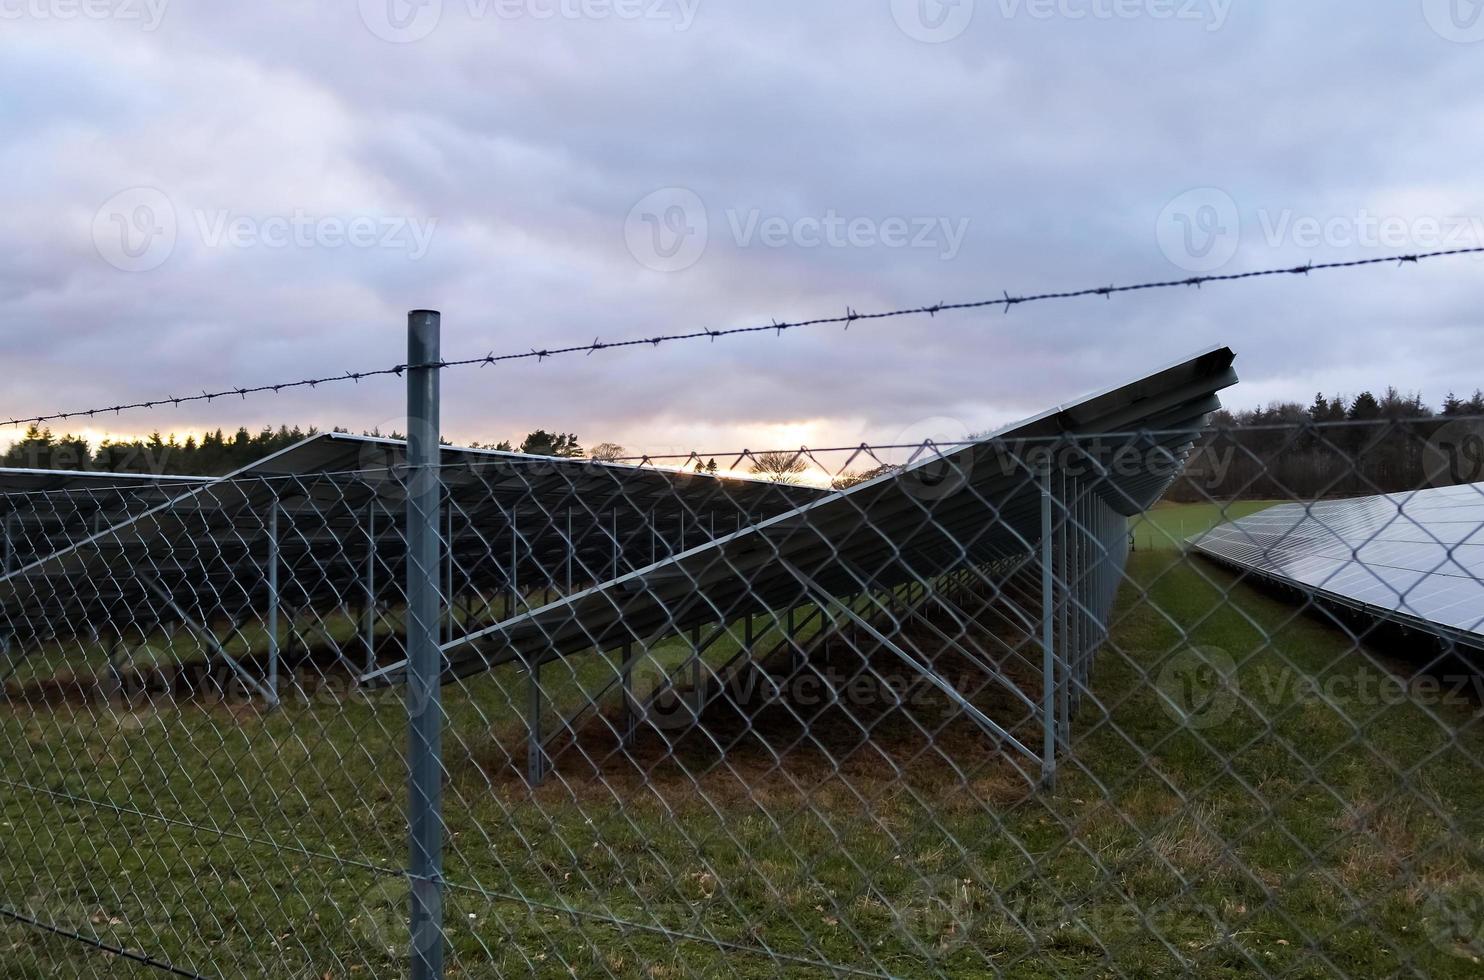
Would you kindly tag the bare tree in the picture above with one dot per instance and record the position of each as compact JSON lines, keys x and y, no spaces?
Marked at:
{"x":607,"y":452}
{"x":850,"y":478}
{"x":780,"y":467}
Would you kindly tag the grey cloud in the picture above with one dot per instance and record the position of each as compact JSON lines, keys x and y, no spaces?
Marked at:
{"x":1056,"y":142}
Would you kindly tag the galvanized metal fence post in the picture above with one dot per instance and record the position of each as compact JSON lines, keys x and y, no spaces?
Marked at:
{"x":424,"y":704}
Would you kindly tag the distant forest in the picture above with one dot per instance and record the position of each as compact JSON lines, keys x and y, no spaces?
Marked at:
{"x":217,"y":453}
{"x":1337,"y":447}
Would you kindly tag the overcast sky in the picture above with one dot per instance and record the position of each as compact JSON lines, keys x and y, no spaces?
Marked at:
{"x":200,"y":195}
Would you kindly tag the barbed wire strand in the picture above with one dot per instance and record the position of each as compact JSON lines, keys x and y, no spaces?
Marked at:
{"x":851,"y":316}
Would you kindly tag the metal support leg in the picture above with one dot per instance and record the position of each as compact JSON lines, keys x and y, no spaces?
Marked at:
{"x":448,"y":612}
{"x":273,"y":598}
{"x":571,"y":547}
{"x":1063,"y":613}
{"x":368,"y":627}
{"x":514,"y":576}
{"x":630,"y":720}
{"x":695,"y":670}
{"x":1048,"y":642}
{"x":535,"y":750}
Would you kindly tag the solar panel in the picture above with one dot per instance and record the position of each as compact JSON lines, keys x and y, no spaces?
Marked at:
{"x":975,"y":505}
{"x":1415,"y":558}
{"x":42,"y":511}
{"x":340,"y":498}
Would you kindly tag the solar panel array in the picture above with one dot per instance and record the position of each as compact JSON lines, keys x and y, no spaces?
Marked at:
{"x":1413,"y":558}
{"x":971,"y":507}
{"x":44,"y":511}
{"x":511,"y":518}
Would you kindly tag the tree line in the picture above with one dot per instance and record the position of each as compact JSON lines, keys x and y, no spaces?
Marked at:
{"x":217,"y":453}
{"x":1336,"y":446}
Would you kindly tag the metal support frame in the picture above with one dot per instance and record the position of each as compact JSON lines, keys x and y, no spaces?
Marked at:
{"x":9,"y":544}
{"x":210,"y":638}
{"x":823,"y":597}
{"x":448,"y":597}
{"x":368,"y":626}
{"x":536,"y":761}
{"x":1063,"y":612}
{"x":273,"y":596}
{"x":630,"y":715}
{"x":511,"y":608}
{"x":1048,"y":639}
{"x":424,"y":659}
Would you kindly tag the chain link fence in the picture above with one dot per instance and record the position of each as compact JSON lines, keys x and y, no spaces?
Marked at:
{"x":998,"y":709}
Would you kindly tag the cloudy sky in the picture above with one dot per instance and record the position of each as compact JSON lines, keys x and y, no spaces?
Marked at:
{"x":201,"y":195}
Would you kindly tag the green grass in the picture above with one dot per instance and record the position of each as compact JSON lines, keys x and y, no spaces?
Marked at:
{"x":1168,"y":526}
{"x":1281,"y":837}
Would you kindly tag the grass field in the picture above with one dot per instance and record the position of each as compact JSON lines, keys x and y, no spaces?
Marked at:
{"x":1302,"y":835}
{"x":1168,"y":526}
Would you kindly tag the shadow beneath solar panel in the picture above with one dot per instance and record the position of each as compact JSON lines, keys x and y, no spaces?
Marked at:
{"x":847,"y":711}
{"x":1401,"y":648}
{"x":310,"y":668}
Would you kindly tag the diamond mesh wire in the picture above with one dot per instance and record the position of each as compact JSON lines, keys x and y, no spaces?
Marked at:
{"x":702,"y":725}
